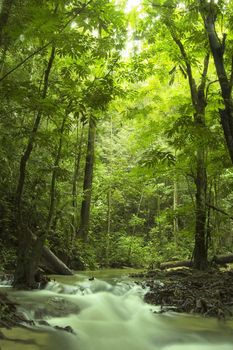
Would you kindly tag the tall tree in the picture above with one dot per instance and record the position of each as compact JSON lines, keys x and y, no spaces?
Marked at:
{"x":198,"y":97}
{"x":88,"y":178}
{"x":175,"y":21}
{"x":27,"y":262}
{"x":210,"y":11}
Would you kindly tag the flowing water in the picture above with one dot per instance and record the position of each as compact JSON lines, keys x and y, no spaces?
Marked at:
{"x":107,"y":313}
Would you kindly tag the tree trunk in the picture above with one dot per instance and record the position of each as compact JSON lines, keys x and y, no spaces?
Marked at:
{"x":175,"y":205}
{"x":4,"y":16}
{"x":199,"y":103}
{"x":28,"y":258}
{"x":174,"y":264}
{"x":40,"y":247}
{"x":138,"y":210}
{"x":52,"y":264}
{"x":200,"y":249}
{"x":87,"y":185}
{"x":219,"y":260}
{"x":28,"y":250}
{"x":78,"y":155}
{"x":223,"y":259}
{"x":209,"y":15}
{"x":26,"y":155}
{"x":54,"y":178}
{"x":109,"y":196}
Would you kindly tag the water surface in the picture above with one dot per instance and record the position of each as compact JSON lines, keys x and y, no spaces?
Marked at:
{"x":108,"y":313}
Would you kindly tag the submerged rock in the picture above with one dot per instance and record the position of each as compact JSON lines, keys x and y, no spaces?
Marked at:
{"x":56,"y":307}
{"x":9,"y":317}
{"x":66,"y":329}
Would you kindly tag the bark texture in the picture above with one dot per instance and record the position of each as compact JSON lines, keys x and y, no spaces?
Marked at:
{"x":52,"y":264}
{"x":87,"y":185}
{"x":209,"y":14}
{"x":4,"y":17}
{"x":199,"y":103}
{"x":29,"y":250}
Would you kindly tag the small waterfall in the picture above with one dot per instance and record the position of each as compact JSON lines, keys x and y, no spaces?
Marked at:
{"x":112,"y":315}
{"x":6,"y":281}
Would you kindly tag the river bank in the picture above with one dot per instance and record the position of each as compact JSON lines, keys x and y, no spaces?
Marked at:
{"x":208,"y":293}
{"x":181,"y":290}
{"x":105,"y":309}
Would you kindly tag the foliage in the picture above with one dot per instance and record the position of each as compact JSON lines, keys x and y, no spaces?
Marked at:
{"x":143,"y":190}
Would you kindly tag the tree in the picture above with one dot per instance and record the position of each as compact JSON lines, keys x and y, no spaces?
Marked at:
{"x":87,"y":184}
{"x":210,"y":11}
{"x":112,"y":156}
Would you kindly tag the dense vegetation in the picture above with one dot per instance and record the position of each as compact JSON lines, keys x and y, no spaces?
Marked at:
{"x":116,"y":132}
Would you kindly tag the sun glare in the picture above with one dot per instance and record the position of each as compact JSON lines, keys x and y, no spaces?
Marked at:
{"x":131,"y":4}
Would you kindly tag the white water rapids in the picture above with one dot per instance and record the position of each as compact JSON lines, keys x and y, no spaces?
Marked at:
{"x":110,"y":315}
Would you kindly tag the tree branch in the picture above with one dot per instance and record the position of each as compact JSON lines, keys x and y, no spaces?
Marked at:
{"x":208,"y":87}
{"x":192,"y":83}
{"x":201,"y":87}
{"x":205,"y":69}
{"x":219,"y":210}
{"x":42,"y":48}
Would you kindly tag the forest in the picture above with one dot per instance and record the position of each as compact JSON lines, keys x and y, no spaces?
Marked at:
{"x":116,"y":139}
{"x":116,"y":177}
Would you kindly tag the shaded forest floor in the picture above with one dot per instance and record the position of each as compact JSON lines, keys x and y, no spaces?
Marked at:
{"x":185,"y":290}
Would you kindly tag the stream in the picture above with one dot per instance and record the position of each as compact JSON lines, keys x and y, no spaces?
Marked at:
{"x":107,"y":313}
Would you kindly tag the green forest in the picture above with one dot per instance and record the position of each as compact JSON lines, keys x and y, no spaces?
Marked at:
{"x":116,"y":138}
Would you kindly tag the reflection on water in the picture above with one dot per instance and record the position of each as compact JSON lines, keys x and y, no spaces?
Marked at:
{"x":108,"y":313}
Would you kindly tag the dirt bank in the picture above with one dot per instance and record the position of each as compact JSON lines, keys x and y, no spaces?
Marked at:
{"x":208,"y":293}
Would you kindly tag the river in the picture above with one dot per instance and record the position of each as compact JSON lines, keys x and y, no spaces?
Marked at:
{"x":107,"y":313}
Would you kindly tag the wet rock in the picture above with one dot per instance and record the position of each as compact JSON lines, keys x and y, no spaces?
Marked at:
{"x":41,"y":279}
{"x":9,"y":316}
{"x":66,"y":329}
{"x":56,"y":307}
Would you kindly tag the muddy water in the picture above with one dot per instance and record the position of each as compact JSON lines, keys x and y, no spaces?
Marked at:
{"x":108,"y":313}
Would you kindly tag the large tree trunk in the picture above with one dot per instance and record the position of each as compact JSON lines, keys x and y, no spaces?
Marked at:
{"x":223,"y":259}
{"x":200,"y":248}
{"x":209,"y":15}
{"x":27,"y":260}
{"x":199,"y":103}
{"x":52,"y":260}
{"x":219,"y":260}
{"x":28,"y":250}
{"x":37,"y":254}
{"x":52,"y":264}
{"x":87,"y":185}
{"x":174,"y":264}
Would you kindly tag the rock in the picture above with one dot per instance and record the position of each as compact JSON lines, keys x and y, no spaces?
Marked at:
{"x":56,"y":307}
{"x":66,"y":329}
